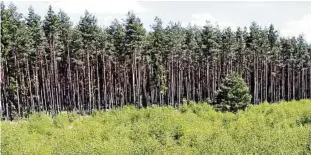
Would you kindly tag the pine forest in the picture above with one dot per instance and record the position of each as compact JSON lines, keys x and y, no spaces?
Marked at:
{"x":49,"y":64}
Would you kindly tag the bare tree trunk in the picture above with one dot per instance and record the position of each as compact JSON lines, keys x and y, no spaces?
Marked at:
{"x":30,"y":87}
{"x":133,"y":77}
{"x":89,"y":81}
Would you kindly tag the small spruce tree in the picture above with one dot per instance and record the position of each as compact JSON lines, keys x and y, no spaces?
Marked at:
{"x":233,"y":94}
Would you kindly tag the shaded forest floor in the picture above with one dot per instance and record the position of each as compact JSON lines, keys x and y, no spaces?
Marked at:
{"x":283,"y":128}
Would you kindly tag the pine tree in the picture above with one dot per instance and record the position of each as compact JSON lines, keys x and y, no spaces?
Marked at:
{"x":88,"y":29}
{"x":51,"y":28}
{"x":65,"y":55}
{"x":156,"y":55}
{"x":233,"y":94}
{"x":134,"y":38}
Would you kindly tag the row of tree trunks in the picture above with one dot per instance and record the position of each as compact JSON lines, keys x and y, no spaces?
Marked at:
{"x":52,"y":66}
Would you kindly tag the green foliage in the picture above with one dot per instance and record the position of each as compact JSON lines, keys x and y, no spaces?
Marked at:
{"x":50,"y":25}
{"x":88,"y":29}
{"x":233,"y":94}
{"x":134,"y":30}
{"x":194,"y":129}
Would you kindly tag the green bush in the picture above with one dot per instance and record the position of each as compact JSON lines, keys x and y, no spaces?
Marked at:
{"x":282,"y":128}
{"x":233,"y":94}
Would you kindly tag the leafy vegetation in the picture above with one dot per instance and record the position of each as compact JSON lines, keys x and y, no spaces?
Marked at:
{"x":283,"y":128}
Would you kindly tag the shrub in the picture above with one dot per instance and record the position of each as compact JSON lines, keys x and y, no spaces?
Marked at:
{"x":194,"y":129}
{"x":233,"y":94}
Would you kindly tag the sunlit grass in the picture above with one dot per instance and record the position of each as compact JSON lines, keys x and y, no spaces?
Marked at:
{"x":283,"y":128}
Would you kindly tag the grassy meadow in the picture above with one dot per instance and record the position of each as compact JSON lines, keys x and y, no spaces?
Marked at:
{"x":281,"y":128}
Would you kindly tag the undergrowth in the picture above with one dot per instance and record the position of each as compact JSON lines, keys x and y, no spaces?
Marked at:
{"x":283,"y":128}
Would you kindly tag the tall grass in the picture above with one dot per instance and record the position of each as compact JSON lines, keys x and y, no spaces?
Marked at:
{"x":283,"y":128}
